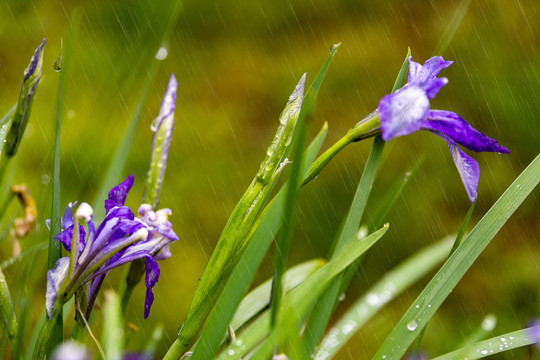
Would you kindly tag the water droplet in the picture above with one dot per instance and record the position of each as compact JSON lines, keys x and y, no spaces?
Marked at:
{"x":412,"y":325}
{"x":58,"y":63}
{"x":484,"y":352}
{"x":348,"y":327}
{"x":489,"y":322}
{"x":372,"y":299}
{"x":417,"y":306}
{"x":162,"y":53}
{"x":503,"y":339}
{"x":230,"y":352}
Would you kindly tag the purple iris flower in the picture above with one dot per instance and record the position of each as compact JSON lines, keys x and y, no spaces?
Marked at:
{"x":119,"y":239}
{"x":408,"y":110}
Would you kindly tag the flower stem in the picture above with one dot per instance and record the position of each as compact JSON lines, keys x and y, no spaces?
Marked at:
{"x":367,"y":127}
{"x":44,"y":337}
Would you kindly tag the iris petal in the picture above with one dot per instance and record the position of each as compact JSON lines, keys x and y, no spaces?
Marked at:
{"x":454,"y":127}
{"x":468,"y":169}
{"x":118,"y":194}
{"x":403,"y":112}
{"x":55,"y":278}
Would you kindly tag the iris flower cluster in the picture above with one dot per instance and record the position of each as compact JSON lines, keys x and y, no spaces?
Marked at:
{"x":119,"y":239}
{"x":408,"y":110}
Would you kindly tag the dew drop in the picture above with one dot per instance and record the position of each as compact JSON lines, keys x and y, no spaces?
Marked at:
{"x":412,"y":325}
{"x":484,"y":352}
{"x":58,"y":63}
{"x":162,"y":53}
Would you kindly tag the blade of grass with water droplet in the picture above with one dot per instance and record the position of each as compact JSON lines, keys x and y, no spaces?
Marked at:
{"x":183,"y":341}
{"x":7,"y":311}
{"x":495,"y":345}
{"x":297,"y":304}
{"x":258,"y":299}
{"x":459,"y":262}
{"x":261,"y":236}
{"x":387,"y":288}
{"x":323,"y":309}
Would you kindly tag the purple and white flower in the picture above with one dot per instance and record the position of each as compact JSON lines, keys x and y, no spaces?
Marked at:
{"x":119,"y":239}
{"x":408,"y":110}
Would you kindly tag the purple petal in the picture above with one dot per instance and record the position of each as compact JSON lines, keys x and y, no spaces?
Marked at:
{"x":426,"y":76}
{"x":55,"y":278}
{"x":414,"y":67}
{"x":95,"y":285}
{"x":164,"y":253}
{"x":468,"y":169}
{"x":534,"y":331}
{"x":118,"y":194}
{"x":65,"y":237}
{"x":117,"y":242}
{"x":403,"y":112}
{"x":67,"y":219}
{"x":168,"y":104}
{"x":34,"y":61}
{"x":151,"y":278}
{"x":431,"y":68}
{"x":451,"y":125}
{"x":162,"y":127}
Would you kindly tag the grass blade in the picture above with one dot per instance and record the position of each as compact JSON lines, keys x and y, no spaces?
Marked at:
{"x":183,"y":341}
{"x":261,"y":238}
{"x":455,"y":267}
{"x":453,"y":25}
{"x":391,"y":285}
{"x":7,"y":311}
{"x":495,"y":345}
{"x":112,"y":326}
{"x":298,"y":300}
{"x":324,"y":308}
{"x":257,"y":300}
{"x":301,"y":299}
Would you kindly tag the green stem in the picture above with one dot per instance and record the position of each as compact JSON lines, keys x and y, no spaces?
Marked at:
{"x":7,"y":310}
{"x":366,"y":128}
{"x":44,"y":337}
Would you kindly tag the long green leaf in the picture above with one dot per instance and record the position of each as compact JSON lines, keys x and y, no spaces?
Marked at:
{"x":184,"y":340}
{"x":495,"y":345}
{"x":112,"y":326}
{"x":324,"y":308}
{"x":235,"y":236}
{"x":5,"y":122}
{"x":391,"y":285}
{"x":300,"y":300}
{"x":452,"y":27}
{"x":261,"y":238}
{"x":7,"y":311}
{"x":455,"y":267}
{"x":258,"y":299}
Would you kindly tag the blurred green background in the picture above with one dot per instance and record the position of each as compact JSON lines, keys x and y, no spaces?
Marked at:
{"x":236,"y":63}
